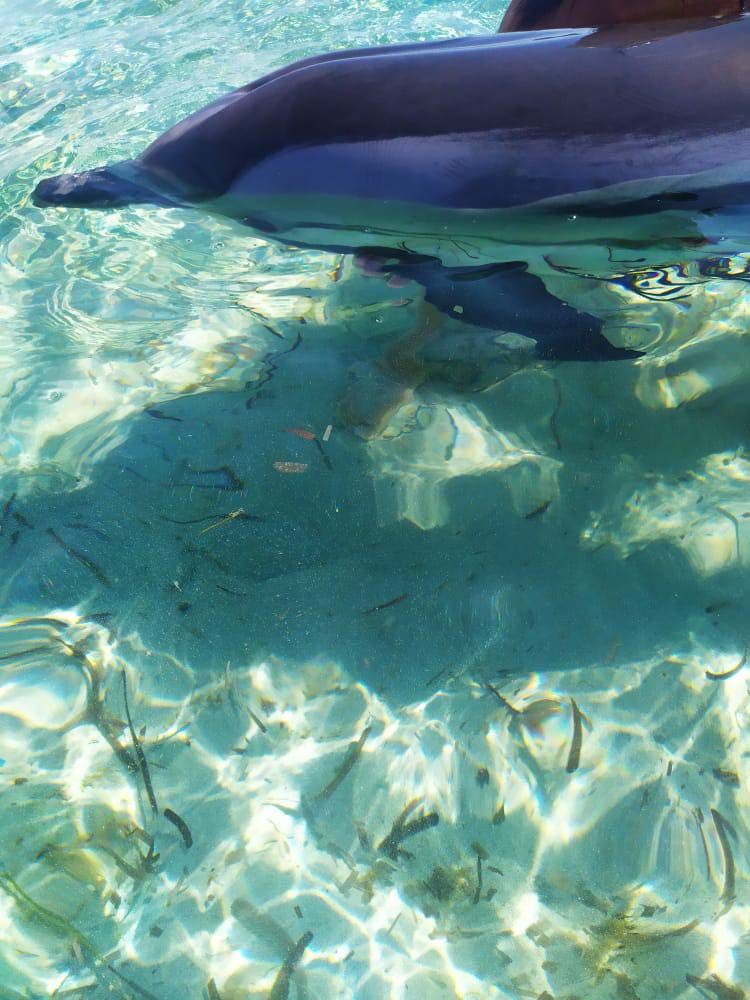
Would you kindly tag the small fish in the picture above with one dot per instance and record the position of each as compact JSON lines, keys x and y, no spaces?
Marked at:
{"x":82,"y":526}
{"x":538,"y":511}
{"x":222,"y":478}
{"x":388,"y":604}
{"x":80,"y":556}
{"x":227,"y":590}
{"x":574,"y":757}
{"x":161,"y":415}
{"x":181,"y":825}
{"x":350,"y":759}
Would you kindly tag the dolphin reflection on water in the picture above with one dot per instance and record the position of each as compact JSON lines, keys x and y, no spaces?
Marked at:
{"x":468,"y":165}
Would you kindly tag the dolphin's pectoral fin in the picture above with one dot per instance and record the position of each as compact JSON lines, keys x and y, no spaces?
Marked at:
{"x":507,"y":297}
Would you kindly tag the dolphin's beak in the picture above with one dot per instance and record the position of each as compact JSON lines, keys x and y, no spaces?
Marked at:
{"x":98,"y":188}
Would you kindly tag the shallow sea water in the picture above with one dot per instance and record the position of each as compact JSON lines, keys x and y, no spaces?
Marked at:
{"x":450,"y":697}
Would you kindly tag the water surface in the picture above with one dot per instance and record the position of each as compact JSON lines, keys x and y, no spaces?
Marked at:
{"x":508,"y":611}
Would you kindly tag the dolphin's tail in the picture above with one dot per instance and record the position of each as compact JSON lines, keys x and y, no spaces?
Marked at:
{"x":102,"y":187}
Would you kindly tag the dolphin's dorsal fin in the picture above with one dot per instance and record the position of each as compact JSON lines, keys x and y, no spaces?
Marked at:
{"x":530,"y":15}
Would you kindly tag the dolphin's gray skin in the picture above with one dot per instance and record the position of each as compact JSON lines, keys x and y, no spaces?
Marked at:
{"x":531,"y":15}
{"x":347,"y":150}
{"x":477,"y":124}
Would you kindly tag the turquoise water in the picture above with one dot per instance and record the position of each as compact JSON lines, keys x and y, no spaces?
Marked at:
{"x":507,"y":607}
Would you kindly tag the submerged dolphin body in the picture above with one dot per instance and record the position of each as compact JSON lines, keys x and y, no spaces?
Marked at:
{"x":635,"y":132}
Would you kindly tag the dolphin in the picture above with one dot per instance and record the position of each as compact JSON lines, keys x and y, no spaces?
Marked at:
{"x":525,"y":15}
{"x":492,"y":145}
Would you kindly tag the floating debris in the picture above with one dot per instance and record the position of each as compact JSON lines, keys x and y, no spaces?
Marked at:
{"x":291,"y":468}
{"x":574,"y":757}
{"x":80,"y":556}
{"x":327,"y":432}
{"x":326,"y":460}
{"x":140,"y":756}
{"x":181,"y":825}
{"x":350,"y":759}
{"x":387,"y":604}
{"x":401,"y":830}
{"x":728,"y":673}
{"x":307,"y":435}
{"x":235,"y":515}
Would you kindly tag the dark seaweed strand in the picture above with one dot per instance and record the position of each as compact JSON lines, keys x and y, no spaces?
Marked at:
{"x":7,"y":508}
{"x":350,"y":759}
{"x":280,"y":988}
{"x":140,"y":756}
{"x":213,"y":993}
{"x":728,"y":673}
{"x":263,"y":728}
{"x":400,"y":830}
{"x":574,"y":757}
{"x":698,"y":816}
{"x":181,"y":825}
{"x":478,"y":890}
{"x":722,"y":828}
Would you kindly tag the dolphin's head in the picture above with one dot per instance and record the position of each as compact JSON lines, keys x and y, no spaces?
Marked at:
{"x":102,"y":187}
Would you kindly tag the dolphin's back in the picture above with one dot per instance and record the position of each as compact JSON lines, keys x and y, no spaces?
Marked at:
{"x":531,"y":15}
{"x":480,"y":123}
